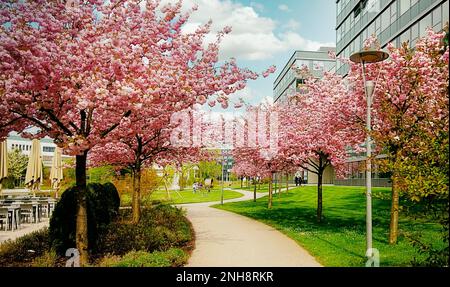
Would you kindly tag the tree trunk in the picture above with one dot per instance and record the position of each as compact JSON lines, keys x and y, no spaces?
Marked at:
{"x":270,"y":193}
{"x":280,"y":185}
{"x":254,"y":191}
{"x":81,"y":237}
{"x":393,"y":228}
{"x":136,"y":202}
{"x":242,"y":181}
{"x":275,"y":187}
{"x":287,"y":183}
{"x":319,"y":196}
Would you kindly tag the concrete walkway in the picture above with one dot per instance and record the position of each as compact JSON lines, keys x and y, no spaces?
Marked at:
{"x":24,"y":229}
{"x":226,"y":239}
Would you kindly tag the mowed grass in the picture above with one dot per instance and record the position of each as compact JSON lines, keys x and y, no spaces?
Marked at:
{"x":187,"y":196}
{"x":260,"y":188}
{"x":339,"y":240}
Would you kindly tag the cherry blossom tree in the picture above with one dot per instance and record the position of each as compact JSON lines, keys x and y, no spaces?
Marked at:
{"x":318,"y":127}
{"x":79,"y":73}
{"x":410,"y":116}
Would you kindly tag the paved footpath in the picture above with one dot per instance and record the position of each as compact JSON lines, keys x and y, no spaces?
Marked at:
{"x":25,"y":229}
{"x":226,"y":239}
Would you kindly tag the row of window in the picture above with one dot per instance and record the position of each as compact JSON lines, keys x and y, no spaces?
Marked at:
{"x":357,"y":169}
{"x":436,"y":20}
{"x":317,"y":67}
{"x":341,"y":5}
{"x":370,"y":9}
{"x":26,"y":147}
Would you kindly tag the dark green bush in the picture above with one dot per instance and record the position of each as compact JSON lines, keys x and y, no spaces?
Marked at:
{"x":22,"y":251}
{"x":102,"y":208}
{"x":161,"y":227}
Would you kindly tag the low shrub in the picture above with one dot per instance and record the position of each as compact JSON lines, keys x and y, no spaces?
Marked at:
{"x":48,"y":259}
{"x":22,"y":251}
{"x":170,"y":258}
{"x":160,"y":228}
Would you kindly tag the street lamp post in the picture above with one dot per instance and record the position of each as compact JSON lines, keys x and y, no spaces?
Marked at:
{"x":366,"y":57}
{"x":223,"y":169}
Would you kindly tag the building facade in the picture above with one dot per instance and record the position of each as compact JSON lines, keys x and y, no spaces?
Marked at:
{"x":392,"y":21}
{"x":288,"y":80}
{"x":14,"y":141}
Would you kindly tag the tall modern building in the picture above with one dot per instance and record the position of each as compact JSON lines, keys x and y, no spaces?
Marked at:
{"x":288,"y":81}
{"x":392,"y":21}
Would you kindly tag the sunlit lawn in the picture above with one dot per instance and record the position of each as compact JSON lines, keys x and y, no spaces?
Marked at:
{"x":186,"y":196}
{"x":340,"y":239}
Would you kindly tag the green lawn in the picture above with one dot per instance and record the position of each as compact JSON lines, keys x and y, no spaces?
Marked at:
{"x":263,"y":188}
{"x":340,"y":239}
{"x":186,"y":196}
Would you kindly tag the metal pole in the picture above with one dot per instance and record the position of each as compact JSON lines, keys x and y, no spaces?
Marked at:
{"x":368,"y":169}
{"x":221,"y":197}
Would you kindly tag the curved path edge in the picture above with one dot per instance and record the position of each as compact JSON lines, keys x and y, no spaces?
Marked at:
{"x":227,"y":239}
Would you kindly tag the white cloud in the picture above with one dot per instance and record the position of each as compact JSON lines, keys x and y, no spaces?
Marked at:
{"x":258,"y":6}
{"x":284,"y":7}
{"x":292,"y":24}
{"x":253,"y":36}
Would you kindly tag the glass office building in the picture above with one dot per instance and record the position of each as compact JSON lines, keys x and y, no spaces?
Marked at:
{"x":288,"y":81}
{"x":394,"y":21}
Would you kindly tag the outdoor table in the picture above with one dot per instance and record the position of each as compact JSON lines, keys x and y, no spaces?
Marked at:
{"x":13,"y":218}
{"x":35,"y":209}
{"x":44,"y":205}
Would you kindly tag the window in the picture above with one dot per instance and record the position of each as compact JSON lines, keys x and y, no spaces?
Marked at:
{"x":358,"y":43}
{"x":445,"y":12}
{"x":404,"y":37}
{"x":48,"y":149}
{"x":404,"y":6}
{"x":385,"y":19}
{"x":415,"y":31}
{"x":437,"y":16}
{"x":318,"y":65}
{"x":393,"y":12}
{"x":378,"y":26}
{"x":302,"y":63}
{"x":424,"y":24}
{"x":370,"y":30}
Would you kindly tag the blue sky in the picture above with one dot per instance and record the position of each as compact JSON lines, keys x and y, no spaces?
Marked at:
{"x":267,"y":33}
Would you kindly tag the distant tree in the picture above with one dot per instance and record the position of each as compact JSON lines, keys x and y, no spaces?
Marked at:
{"x":17,"y":165}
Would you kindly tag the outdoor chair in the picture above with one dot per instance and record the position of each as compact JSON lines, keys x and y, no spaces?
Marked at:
{"x":26,"y":213}
{"x":3,"y":219}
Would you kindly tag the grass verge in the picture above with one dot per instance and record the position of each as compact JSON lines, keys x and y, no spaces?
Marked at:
{"x":339,"y":240}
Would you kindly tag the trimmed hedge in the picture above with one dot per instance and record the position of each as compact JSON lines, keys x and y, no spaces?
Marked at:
{"x":103,"y":203}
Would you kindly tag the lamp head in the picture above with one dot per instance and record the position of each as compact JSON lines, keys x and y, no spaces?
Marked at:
{"x":370,"y":54}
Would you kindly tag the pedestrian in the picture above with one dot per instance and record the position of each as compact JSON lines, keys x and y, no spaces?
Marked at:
{"x":194,"y":187}
{"x":296,"y":180}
